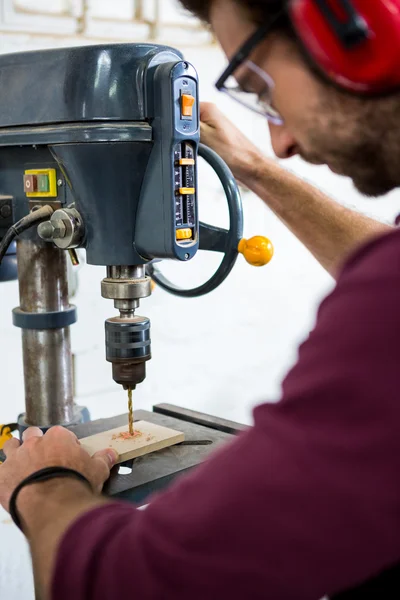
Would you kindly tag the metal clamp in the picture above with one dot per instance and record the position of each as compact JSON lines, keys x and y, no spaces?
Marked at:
{"x":65,"y":229}
{"x":45,"y":320}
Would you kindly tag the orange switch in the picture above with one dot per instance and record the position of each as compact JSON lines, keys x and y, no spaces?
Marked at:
{"x":187,"y":105}
{"x":184,"y":234}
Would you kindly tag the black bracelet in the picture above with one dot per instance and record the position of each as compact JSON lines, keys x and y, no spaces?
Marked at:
{"x":39,"y":477}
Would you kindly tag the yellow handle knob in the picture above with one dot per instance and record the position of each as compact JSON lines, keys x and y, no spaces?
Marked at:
{"x":258,"y":251}
{"x":5,"y":435}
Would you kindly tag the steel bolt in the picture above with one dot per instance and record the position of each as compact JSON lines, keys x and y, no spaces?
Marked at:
{"x":45,"y":230}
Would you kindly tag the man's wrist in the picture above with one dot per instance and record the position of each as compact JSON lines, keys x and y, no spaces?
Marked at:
{"x":47,"y":510}
{"x":247,"y":167}
{"x":40,"y":503}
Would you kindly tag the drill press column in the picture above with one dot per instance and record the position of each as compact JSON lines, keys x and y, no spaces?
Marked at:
{"x":43,"y":288}
{"x":127,"y":336}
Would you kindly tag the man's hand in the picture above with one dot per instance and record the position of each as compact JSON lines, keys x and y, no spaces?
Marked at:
{"x":221,"y":135}
{"x":59,"y":447}
{"x":48,"y":508}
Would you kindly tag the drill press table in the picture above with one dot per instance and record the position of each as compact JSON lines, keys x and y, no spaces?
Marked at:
{"x":153,"y":472}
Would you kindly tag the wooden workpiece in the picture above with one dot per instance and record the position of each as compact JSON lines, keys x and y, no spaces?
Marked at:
{"x":148,"y":437}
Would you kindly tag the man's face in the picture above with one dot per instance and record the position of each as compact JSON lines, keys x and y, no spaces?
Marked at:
{"x":322,"y":124}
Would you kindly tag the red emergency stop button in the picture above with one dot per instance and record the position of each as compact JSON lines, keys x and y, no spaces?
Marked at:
{"x":30,"y":183}
{"x":188,"y":102}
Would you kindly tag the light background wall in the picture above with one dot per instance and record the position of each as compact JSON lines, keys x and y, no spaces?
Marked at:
{"x":221,"y":354}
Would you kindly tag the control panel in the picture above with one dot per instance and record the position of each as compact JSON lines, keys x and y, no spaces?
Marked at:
{"x":184,"y":156}
{"x":167,"y":224}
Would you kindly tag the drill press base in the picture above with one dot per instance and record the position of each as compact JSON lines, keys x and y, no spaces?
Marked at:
{"x":155,"y":471}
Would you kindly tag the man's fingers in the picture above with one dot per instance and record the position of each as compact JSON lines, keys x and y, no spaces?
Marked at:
{"x":61,"y":433}
{"x":103,"y":463}
{"x":32,"y":432}
{"x":109,"y":456}
{"x":208,"y":111}
{"x":11,"y":446}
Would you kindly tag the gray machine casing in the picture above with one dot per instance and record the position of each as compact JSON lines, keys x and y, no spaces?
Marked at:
{"x":107,"y":118}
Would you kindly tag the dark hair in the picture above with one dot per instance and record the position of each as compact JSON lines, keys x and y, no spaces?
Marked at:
{"x":260,"y":12}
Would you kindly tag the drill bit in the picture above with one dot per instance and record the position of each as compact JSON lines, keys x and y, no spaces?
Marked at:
{"x":130,"y":410}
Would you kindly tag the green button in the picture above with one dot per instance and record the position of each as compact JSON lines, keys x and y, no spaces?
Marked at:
{"x":43,"y":184}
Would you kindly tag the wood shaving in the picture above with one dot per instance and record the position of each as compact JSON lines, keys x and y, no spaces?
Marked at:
{"x":125,"y":435}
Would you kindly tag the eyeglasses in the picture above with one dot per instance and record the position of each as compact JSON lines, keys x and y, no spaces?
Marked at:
{"x":259,"y":101}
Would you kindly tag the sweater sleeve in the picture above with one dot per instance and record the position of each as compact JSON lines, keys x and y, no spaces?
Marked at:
{"x":305,"y":503}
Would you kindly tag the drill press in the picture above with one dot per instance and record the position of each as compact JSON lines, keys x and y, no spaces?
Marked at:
{"x":107,"y":138}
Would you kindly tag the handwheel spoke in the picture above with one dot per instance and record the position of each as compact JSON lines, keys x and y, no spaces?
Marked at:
{"x":214,"y":239}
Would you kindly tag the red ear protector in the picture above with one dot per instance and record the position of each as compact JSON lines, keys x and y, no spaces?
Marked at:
{"x":355,"y":42}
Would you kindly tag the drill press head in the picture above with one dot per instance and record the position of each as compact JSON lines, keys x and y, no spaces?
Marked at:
{"x":113,"y":149}
{"x":135,"y":187}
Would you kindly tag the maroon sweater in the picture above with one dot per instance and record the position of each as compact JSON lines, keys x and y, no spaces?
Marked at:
{"x":306,"y":503}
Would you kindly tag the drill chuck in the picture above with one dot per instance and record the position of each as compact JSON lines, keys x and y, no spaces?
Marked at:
{"x":128,"y":347}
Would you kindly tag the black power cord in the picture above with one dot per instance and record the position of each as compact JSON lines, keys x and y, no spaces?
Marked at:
{"x":34,"y":218}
